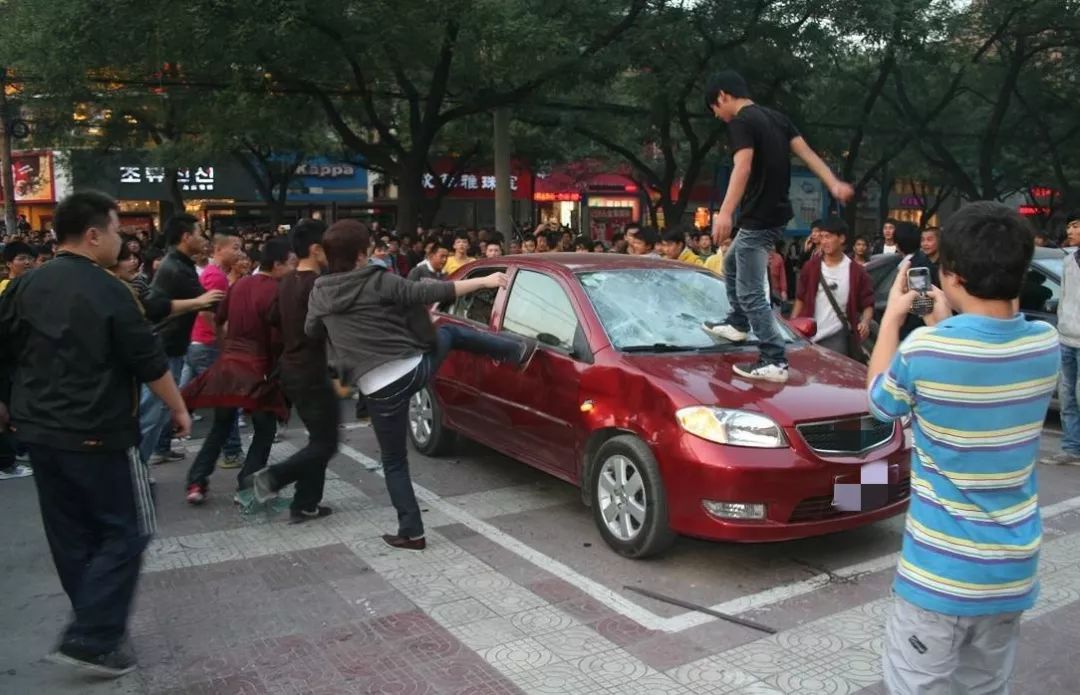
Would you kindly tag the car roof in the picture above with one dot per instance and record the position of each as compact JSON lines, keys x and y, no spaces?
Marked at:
{"x":1041,"y":253}
{"x":582,"y":262}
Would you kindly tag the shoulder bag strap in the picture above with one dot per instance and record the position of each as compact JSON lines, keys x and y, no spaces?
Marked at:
{"x":842,"y":315}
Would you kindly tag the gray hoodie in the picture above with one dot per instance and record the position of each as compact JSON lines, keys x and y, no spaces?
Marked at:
{"x":371,"y":317}
{"x":1069,"y":303}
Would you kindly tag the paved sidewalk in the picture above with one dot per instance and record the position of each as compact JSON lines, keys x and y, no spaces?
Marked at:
{"x":231,"y":604}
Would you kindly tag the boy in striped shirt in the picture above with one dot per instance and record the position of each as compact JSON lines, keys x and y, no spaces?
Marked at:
{"x":977,"y":386}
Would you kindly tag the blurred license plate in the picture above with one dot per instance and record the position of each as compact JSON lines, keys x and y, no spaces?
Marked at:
{"x":868,"y":491}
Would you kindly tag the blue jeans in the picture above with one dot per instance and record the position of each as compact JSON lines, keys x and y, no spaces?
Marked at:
{"x":389,"y":409}
{"x":746,"y":274}
{"x":198,"y":360}
{"x":1067,"y":394}
{"x":154,"y":416}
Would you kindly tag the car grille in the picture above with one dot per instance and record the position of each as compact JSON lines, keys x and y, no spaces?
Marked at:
{"x":851,"y":436}
{"x":821,"y":508}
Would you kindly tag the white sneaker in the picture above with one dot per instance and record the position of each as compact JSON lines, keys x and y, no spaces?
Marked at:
{"x":16,"y":471}
{"x":1062,"y":459}
{"x":724,"y":331}
{"x":763,"y":371}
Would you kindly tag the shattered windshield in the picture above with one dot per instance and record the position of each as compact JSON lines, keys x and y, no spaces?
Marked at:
{"x":661,"y":307}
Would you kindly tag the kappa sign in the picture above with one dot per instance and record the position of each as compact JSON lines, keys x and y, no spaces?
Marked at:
{"x":326,"y":171}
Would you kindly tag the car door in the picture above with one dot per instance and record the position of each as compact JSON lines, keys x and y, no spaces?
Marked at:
{"x":534,"y":413}
{"x":1040,"y":294}
{"x":458,"y":380}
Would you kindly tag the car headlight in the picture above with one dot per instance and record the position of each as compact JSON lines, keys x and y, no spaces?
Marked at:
{"x":734,"y":427}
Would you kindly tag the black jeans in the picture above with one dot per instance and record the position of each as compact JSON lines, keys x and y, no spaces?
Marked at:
{"x":263,"y":423}
{"x":317,"y":405}
{"x":389,"y":409}
{"x":98,"y":515}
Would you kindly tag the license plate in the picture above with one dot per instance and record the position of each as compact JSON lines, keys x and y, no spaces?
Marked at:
{"x":870,"y":491}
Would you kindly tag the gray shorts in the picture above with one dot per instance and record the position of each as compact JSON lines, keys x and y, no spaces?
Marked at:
{"x":928,"y":653}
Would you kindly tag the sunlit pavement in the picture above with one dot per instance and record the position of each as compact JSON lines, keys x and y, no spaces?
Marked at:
{"x":515,"y":593}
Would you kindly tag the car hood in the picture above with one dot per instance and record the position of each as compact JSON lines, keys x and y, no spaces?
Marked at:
{"x":821,"y":385}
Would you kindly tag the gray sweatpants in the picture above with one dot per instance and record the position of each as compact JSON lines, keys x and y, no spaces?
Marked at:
{"x":928,"y":653}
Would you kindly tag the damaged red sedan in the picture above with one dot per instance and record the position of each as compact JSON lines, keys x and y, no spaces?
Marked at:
{"x":629,"y":399}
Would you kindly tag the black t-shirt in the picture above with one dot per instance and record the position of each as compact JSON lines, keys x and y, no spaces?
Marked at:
{"x":303,"y":358}
{"x":765,"y":203}
{"x":177,"y":278}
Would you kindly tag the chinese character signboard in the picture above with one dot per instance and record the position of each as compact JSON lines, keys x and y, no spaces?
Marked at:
{"x":135,"y":176}
{"x":33,"y":175}
{"x":198,"y":180}
{"x":478,"y":182}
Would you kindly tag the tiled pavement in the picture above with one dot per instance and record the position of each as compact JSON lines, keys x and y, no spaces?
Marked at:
{"x":231,"y":604}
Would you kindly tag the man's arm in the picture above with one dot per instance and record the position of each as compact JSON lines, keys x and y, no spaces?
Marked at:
{"x":839,"y":190}
{"x":800,"y":286}
{"x":740,"y":174}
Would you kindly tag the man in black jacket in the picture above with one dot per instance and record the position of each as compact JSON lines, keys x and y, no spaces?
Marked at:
{"x":176,"y":278}
{"x":79,"y":346}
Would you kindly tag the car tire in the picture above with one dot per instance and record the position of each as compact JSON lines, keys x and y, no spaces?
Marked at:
{"x":629,"y":502}
{"x":428,"y":434}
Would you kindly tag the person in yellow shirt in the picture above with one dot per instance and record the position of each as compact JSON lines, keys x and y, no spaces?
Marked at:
{"x":19,"y":259}
{"x":673,"y":247}
{"x":461,"y":256}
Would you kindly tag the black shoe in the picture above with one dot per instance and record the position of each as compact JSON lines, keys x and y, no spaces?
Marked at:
{"x":299,"y":516}
{"x":112,"y":664}
{"x":405,"y":543}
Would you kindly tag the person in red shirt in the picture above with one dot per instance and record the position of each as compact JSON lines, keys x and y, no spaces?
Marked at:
{"x":778,"y":273}
{"x":241,"y":377}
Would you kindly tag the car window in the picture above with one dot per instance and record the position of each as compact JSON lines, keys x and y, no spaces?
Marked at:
{"x":539,"y":308}
{"x":1040,"y":291}
{"x":476,"y":306}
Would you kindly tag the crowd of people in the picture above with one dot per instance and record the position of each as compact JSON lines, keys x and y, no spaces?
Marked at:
{"x":107,"y":343}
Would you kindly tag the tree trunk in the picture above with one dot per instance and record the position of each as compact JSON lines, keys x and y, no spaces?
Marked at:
{"x":410,"y":194}
{"x":11,"y":222}
{"x":176,"y":194}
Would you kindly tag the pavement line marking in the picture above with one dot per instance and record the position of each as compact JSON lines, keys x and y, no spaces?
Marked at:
{"x":631,"y":609}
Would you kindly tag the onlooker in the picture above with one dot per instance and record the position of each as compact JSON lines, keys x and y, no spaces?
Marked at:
{"x":620,"y":240}
{"x":18,"y":259}
{"x":929,"y":243}
{"x":778,"y":286}
{"x":515,"y":246}
{"x":43,"y":254}
{"x":176,"y":278}
{"x":432,"y":267}
{"x":762,"y":141}
{"x":493,"y":249}
{"x":94,"y":493}
{"x":836,"y":292}
{"x":528,"y":245}
{"x":704,"y":245}
{"x":543,"y":243}
{"x":1068,"y":312}
{"x":887,"y":242}
{"x":673,"y":247}
{"x":461,"y":254}
{"x":644,"y":242}
{"x":860,"y":250}
{"x":970,"y":551}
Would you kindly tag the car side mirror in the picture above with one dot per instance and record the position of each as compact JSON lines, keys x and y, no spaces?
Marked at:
{"x":804,"y":326}
{"x":548,"y":339}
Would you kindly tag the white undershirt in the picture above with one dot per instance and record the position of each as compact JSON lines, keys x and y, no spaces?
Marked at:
{"x":828,"y":323}
{"x":889,"y":248}
{"x":378,"y":379}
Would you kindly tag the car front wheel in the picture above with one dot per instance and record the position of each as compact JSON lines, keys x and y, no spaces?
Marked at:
{"x":629,"y":502}
{"x":429,"y":435}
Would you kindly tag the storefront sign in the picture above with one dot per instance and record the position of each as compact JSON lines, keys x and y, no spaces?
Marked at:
{"x":912,"y":201}
{"x":1034,"y":210}
{"x":474,"y":183}
{"x":604,"y":222}
{"x":33,"y":176}
{"x":200,"y":179}
{"x":563,"y":196}
{"x":468,"y":182}
{"x":320,"y":180}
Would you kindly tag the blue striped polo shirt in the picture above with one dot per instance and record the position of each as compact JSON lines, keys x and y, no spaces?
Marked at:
{"x":978,"y":389}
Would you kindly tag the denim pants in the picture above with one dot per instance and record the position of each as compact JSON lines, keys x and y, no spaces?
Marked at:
{"x":258,"y":453}
{"x":98,"y":514}
{"x":1067,"y":394}
{"x":746,"y":274}
{"x":199,"y":358}
{"x":154,"y":415}
{"x":319,"y":409}
{"x":389,"y":409}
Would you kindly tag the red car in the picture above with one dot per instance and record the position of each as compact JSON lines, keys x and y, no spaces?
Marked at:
{"x":629,"y":399}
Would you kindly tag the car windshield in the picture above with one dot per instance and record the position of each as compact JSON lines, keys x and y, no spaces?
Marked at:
{"x":659,"y":309}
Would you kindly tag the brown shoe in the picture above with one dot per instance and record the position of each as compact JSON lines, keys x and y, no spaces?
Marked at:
{"x":404,"y":543}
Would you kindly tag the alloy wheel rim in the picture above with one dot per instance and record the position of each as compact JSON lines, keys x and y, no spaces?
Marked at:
{"x":620,"y":493}
{"x":420,"y":416}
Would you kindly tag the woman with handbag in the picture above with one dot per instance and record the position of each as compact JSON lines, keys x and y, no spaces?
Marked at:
{"x":837,"y":293}
{"x":380,"y":337}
